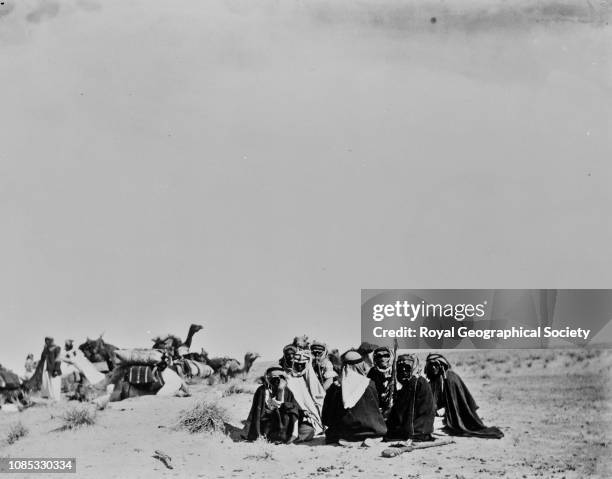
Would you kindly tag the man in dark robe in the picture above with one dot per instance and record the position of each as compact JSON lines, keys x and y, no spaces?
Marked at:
{"x":274,"y":412}
{"x":413,"y":411}
{"x":48,"y":373}
{"x":350,"y":410}
{"x":381,"y":374}
{"x":453,"y":400}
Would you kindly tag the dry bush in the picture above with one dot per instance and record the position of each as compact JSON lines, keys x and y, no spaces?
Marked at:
{"x":16,"y":432}
{"x":237,"y":389}
{"x":203,"y":417}
{"x":79,"y":416}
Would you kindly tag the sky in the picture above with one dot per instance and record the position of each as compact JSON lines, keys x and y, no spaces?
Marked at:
{"x":252,"y":165}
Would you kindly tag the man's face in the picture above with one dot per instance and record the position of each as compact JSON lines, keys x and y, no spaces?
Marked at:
{"x":382,"y":359}
{"x":275,"y":383}
{"x":433,"y":370}
{"x":404,"y":371}
{"x":288,"y":355}
{"x":317,"y":354}
{"x":299,"y":368}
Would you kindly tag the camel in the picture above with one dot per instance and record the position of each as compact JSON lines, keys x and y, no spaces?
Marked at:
{"x":12,"y":390}
{"x":173,"y":385}
{"x":192,"y":368}
{"x":202,"y":357}
{"x":96,"y":351}
{"x":122,"y":389}
{"x":172,"y":343}
{"x":231,"y":368}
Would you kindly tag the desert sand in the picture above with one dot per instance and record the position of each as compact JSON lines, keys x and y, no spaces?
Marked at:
{"x":552,"y":405}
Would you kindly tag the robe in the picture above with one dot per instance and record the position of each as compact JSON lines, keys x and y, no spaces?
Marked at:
{"x":273,"y":424}
{"x":309,"y":395}
{"x":381,"y":380}
{"x":77,"y":359}
{"x":51,"y":373}
{"x":413,"y":411}
{"x":362,"y":421}
{"x":460,"y":416}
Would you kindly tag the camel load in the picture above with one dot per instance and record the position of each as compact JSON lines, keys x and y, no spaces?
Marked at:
{"x":139,"y":356}
{"x":138,"y":375}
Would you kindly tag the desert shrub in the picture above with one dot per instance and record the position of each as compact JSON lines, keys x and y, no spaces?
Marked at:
{"x":236,"y":389}
{"x":79,"y":416}
{"x":203,"y":417}
{"x":16,"y":432}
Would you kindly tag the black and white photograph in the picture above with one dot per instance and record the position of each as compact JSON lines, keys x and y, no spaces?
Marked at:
{"x":304,"y":239}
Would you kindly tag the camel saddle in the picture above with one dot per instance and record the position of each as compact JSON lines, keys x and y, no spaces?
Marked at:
{"x":141,"y":374}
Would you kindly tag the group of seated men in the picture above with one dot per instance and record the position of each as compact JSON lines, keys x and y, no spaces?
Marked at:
{"x":363,"y":398}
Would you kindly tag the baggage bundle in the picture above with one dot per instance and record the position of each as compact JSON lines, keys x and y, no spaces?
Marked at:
{"x":139,"y":356}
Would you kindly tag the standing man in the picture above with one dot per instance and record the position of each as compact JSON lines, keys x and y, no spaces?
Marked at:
{"x":51,"y":370}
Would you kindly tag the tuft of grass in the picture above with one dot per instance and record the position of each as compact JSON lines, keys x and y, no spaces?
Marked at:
{"x":203,"y":417}
{"x":79,"y":416}
{"x":16,"y":432}
{"x":237,"y":389}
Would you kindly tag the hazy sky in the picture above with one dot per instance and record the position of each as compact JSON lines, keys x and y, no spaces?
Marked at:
{"x":253,"y":165}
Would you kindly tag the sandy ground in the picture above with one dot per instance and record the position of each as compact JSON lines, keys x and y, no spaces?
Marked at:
{"x":553,"y":406}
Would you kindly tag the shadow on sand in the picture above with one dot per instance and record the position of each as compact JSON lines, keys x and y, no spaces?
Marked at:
{"x":238,"y":434}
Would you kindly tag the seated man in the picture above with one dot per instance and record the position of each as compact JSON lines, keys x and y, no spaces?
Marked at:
{"x":412,"y":414}
{"x":381,"y":375}
{"x":453,"y":400}
{"x":286,"y":362}
{"x":323,"y":367}
{"x":308,"y":393}
{"x":350,"y":410}
{"x":274,"y":412}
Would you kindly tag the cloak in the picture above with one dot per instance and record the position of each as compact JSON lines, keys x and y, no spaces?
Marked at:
{"x":412,"y":414}
{"x":451,"y":393}
{"x":276,"y":424}
{"x":382,"y":380}
{"x":359,"y":422}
